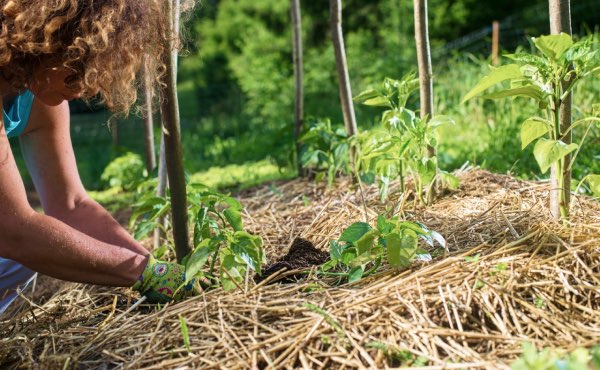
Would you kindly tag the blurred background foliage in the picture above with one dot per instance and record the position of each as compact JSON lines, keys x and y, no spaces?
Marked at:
{"x":237,"y":90}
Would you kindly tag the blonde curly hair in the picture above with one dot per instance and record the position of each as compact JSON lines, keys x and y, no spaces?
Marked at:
{"x":103,"y":42}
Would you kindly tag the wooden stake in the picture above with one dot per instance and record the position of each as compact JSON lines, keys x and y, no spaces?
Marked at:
{"x":172,"y":134}
{"x":298,"y":78}
{"x":425,"y":72}
{"x":342,"y":67}
{"x":560,"y":21}
{"x":495,"y":41}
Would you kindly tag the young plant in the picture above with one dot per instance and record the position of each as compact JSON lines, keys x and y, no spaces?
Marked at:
{"x":361,"y":248}
{"x":548,"y":79}
{"x":325,"y":150}
{"x":219,"y":235}
{"x":399,"y":147}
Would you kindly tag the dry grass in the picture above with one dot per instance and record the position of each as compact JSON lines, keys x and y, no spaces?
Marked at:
{"x":533,"y":281}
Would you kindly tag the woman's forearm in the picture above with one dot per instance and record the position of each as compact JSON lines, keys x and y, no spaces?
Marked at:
{"x":92,"y":219}
{"x":53,"y":248}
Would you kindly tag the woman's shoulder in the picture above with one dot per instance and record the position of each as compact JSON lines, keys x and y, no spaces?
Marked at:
{"x":16,"y":111}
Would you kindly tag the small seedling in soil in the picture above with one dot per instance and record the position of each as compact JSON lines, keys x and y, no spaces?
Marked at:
{"x":223,"y":250}
{"x":361,"y":248}
{"x":398,"y":357}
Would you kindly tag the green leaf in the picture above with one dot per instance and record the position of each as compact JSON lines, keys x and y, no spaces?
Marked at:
{"x":348,"y":255}
{"x":200,"y":229}
{"x":198,"y":258}
{"x":383,"y":225}
{"x":354,"y":232}
{"x":184,"y":333}
{"x":380,"y":101}
{"x":529,"y":91}
{"x":234,"y":217}
{"x":143,"y":229}
{"x":449,"y":180}
{"x":249,"y":248}
{"x":497,"y":75}
{"x":367,"y":178}
{"x":553,"y":46}
{"x":594,"y":184}
{"x":532,"y":129}
{"x":438,"y":121}
{"x":230,"y":274}
{"x":547,"y":152}
{"x":365,"y":243}
{"x":366,"y":95}
{"x":427,"y":170}
{"x":355,"y":274}
{"x":335,"y":250}
{"x":401,"y":249}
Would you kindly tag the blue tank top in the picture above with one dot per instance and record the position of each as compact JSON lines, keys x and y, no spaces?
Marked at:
{"x":16,"y":113}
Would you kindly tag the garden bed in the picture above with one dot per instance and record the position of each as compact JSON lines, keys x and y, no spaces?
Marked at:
{"x":508,"y":276}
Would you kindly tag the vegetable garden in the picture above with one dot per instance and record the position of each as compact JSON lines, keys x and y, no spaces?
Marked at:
{"x":373,"y":256}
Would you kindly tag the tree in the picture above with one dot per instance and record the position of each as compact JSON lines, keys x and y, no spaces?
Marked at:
{"x":298,"y":77}
{"x":560,"y":176}
{"x":335,"y":8}
{"x":172,"y":136}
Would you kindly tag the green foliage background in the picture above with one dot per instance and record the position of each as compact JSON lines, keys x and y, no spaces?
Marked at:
{"x":236,"y":80}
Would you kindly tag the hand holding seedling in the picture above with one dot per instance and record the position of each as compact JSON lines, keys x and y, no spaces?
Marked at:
{"x":162,"y":282}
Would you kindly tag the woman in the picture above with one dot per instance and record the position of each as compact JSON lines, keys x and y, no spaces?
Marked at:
{"x":52,"y":51}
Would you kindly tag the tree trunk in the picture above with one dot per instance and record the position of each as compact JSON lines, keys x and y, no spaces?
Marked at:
{"x":172,"y":133}
{"x":342,"y":67}
{"x":298,"y":78}
{"x":149,"y":149}
{"x":425,"y":72}
{"x":560,"y":175}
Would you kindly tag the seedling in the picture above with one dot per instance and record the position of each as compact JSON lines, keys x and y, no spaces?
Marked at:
{"x":325,"y":150}
{"x":219,"y":235}
{"x":361,"y":249}
{"x":399,"y":147}
{"x":548,"y":79}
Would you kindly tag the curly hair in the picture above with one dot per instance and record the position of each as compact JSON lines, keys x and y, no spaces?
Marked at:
{"x":103,"y":42}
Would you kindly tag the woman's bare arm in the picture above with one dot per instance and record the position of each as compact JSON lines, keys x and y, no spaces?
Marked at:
{"x":48,"y":153}
{"x":52,"y":247}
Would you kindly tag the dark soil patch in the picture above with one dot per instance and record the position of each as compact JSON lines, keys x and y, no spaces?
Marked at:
{"x":302,"y":254}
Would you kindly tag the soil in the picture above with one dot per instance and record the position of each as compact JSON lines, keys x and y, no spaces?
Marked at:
{"x":301,"y":255}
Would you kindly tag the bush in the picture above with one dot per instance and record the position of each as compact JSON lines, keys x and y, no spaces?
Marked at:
{"x":124,"y":171}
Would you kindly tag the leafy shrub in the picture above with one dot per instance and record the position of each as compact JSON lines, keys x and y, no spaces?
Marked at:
{"x":125,"y":171}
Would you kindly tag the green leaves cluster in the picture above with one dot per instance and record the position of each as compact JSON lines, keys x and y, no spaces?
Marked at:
{"x":548,"y":359}
{"x":547,"y":78}
{"x":399,"y":147}
{"x":219,"y":235}
{"x":360,"y":249}
{"x":125,"y":171}
{"x":325,"y":150}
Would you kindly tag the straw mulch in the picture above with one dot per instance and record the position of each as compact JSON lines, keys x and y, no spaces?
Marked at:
{"x":533,"y":280}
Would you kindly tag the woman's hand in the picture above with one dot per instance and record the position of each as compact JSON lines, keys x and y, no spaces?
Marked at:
{"x":162,"y":282}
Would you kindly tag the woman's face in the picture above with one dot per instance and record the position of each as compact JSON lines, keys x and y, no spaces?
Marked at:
{"x":48,"y":84}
